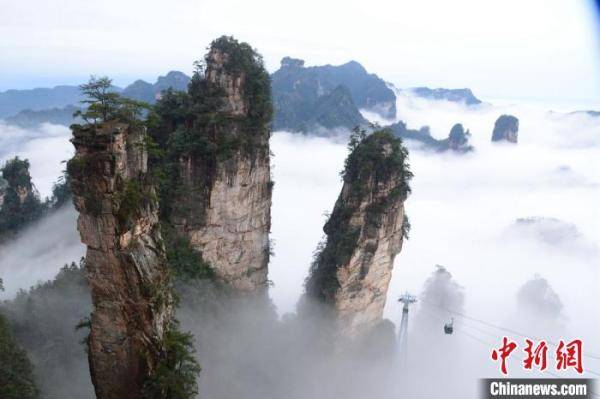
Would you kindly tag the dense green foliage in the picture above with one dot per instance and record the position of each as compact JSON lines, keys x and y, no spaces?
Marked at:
{"x":43,"y":321}
{"x":177,"y":369}
{"x":104,"y":104}
{"x":21,"y":204}
{"x":16,"y":372}
{"x":191,"y":124}
{"x":197,"y":130}
{"x":197,"y":123}
{"x":376,"y":158}
{"x":186,"y":263}
{"x":197,"y":126}
{"x":242,"y":59}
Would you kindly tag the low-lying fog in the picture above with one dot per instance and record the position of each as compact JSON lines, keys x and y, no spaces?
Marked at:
{"x":499,"y":220}
{"x":515,"y":227}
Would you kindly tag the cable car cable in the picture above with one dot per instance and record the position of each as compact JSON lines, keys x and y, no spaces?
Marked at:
{"x":489,"y":345}
{"x":593,"y":356}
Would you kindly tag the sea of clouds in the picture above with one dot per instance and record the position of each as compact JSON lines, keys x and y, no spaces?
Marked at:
{"x":485,"y":216}
{"x":515,"y":227}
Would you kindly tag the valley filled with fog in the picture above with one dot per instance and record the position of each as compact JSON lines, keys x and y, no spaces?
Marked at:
{"x":515,"y":229}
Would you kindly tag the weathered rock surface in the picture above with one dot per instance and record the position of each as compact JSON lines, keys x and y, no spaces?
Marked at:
{"x":364,"y":234}
{"x":234,"y":235}
{"x":227,"y":214}
{"x":506,"y":128}
{"x":125,"y":267}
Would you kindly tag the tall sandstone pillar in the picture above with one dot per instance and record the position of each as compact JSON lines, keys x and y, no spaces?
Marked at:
{"x":227,"y":214}
{"x":364,"y":233}
{"x":125,"y":267}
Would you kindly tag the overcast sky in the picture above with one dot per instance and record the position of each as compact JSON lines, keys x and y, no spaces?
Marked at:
{"x":534,"y":49}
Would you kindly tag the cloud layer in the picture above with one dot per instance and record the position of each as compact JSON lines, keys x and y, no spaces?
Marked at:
{"x":467,"y":214}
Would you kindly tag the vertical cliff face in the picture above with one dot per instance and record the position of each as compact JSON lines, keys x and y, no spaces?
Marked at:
{"x":118,"y":221}
{"x":506,"y":128}
{"x":364,"y":233}
{"x":224,"y":205}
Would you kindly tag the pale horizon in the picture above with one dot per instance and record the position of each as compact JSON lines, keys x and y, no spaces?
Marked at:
{"x":511,"y":50}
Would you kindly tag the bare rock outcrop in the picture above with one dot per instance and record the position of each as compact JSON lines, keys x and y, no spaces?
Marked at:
{"x":506,"y":128}
{"x":353,"y":267}
{"x":125,"y":266}
{"x":458,"y":139}
{"x":223,"y":204}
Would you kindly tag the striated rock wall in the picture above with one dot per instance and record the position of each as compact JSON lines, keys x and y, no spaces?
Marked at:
{"x":227,"y":211}
{"x":364,"y":233}
{"x":364,"y":280}
{"x":118,"y":221}
{"x":235,"y":237}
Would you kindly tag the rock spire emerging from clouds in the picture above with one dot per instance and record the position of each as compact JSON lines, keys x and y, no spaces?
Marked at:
{"x":221,"y":193}
{"x":506,"y":128}
{"x":125,"y":264}
{"x":353,"y":267}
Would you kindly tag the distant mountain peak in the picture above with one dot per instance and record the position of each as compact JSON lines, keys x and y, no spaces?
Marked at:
{"x":355,"y":66}
{"x":144,"y":91}
{"x":465,"y":95}
{"x":330,"y":94}
{"x":174,"y":79}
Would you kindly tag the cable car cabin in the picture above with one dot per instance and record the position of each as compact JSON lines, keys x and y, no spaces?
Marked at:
{"x":449,"y":327}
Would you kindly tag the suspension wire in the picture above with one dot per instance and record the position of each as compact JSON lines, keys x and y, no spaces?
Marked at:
{"x":592,"y":356}
{"x":495,"y":336}
{"x":489,"y":345}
